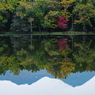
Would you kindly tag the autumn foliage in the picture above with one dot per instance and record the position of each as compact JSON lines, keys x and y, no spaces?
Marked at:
{"x":62,"y":44}
{"x":62,"y":22}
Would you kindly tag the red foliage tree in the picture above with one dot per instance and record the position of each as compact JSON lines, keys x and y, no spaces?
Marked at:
{"x":62,"y":44}
{"x":61,"y":22}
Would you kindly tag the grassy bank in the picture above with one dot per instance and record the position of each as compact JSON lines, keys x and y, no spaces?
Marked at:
{"x":53,"y":33}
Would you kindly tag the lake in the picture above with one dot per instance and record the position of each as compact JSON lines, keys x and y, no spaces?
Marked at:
{"x":47,"y":64}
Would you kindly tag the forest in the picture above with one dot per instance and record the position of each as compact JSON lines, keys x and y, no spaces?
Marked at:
{"x":28,"y":16}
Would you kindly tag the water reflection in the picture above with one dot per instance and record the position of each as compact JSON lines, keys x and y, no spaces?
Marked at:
{"x":27,"y":59}
{"x":26,"y":77}
{"x":47,"y":86}
{"x":59,"y":55}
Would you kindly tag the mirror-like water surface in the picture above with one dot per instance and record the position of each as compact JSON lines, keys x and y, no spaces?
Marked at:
{"x":47,"y":62}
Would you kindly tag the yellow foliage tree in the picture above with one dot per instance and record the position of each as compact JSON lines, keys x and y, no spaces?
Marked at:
{"x":66,"y":3}
{"x":61,"y":69}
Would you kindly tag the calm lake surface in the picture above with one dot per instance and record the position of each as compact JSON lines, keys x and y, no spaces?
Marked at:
{"x":47,"y":64}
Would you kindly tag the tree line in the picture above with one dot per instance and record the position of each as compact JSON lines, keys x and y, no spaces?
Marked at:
{"x":26,"y":16}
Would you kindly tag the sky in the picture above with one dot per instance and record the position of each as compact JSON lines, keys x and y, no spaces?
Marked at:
{"x":47,"y":86}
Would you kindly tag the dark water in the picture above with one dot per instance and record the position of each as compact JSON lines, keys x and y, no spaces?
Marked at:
{"x":24,"y":59}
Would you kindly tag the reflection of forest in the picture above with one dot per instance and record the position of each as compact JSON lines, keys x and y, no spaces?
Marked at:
{"x":58,"y":56}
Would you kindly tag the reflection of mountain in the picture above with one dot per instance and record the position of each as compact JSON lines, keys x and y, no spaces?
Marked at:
{"x":27,"y":77}
{"x":76,"y":79}
{"x":47,"y":86}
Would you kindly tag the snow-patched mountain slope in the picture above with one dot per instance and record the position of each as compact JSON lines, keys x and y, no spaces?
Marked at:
{"x":47,"y":86}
